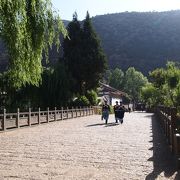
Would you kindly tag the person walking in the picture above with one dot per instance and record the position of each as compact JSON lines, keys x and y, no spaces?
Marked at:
{"x":116,"y":109}
{"x":105,"y":111}
{"x":121,"y":111}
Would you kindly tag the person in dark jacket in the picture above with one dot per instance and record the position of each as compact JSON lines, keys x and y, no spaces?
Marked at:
{"x":105,"y":112}
{"x":121,"y":111}
{"x":116,"y":108}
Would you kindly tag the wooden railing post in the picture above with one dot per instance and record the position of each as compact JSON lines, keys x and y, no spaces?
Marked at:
{"x":62,"y":114}
{"x":80,"y":111}
{"x":17,"y":118}
{"x":173,"y":125}
{"x":48,"y":115}
{"x":55,"y":116}
{"x":39,"y":115}
{"x":83,"y":111}
{"x":72,"y":112}
{"x":89,"y":109}
{"x":177,"y":149}
{"x":67,"y":111}
{"x":29,"y":117}
{"x":92,"y":110}
{"x":76,"y":111}
{"x":4,"y":120}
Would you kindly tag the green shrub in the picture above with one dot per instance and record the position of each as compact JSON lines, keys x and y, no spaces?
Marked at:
{"x":82,"y":101}
{"x":92,"y":97}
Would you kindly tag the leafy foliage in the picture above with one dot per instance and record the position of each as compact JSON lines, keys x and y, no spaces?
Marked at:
{"x":166,"y":85}
{"x":151,"y":95}
{"x":130,"y":82}
{"x":92,"y":97}
{"x":82,"y":101}
{"x":134,"y":81}
{"x":117,"y":79}
{"x":28,"y":27}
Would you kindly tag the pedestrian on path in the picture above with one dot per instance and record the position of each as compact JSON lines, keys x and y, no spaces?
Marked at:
{"x":105,"y":111}
{"x":120,"y":112}
{"x":116,"y":108}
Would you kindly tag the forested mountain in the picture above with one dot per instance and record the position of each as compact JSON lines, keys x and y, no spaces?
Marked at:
{"x":144,"y":40}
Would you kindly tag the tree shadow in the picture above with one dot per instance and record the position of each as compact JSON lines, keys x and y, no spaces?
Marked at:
{"x":163,"y":159}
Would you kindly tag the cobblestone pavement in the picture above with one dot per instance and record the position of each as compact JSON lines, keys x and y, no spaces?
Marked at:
{"x":87,"y":149}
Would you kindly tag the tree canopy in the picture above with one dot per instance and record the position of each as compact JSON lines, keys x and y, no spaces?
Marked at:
{"x":28,"y":28}
{"x":83,"y":55}
{"x":131,"y":81}
{"x":165,"y":86}
{"x":117,"y":79}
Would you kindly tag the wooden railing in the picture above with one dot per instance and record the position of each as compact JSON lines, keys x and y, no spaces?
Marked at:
{"x":170,"y":124}
{"x":97,"y":110}
{"x":23,"y":119}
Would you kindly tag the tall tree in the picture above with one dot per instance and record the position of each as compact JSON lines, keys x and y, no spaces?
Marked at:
{"x":83,"y":55}
{"x":73,"y":51}
{"x":28,"y":27}
{"x":117,"y":79}
{"x":134,"y":81}
{"x":93,"y":56}
{"x":167,"y":81}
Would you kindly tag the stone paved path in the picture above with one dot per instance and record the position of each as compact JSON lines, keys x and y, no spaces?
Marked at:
{"x":86,"y":149}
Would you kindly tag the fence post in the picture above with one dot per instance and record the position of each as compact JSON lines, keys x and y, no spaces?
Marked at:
{"x":76,"y":110}
{"x":173,"y":125}
{"x":47,"y":114}
{"x":72,"y":112}
{"x":61,"y":113}
{"x":91,"y":110}
{"x":177,"y":149}
{"x":55,"y":117}
{"x":67,"y":112}
{"x":39,"y":115}
{"x":17,"y":118}
{"x":80,"y":110}
{"x":4,"y":120}
{"x":29,"y":118}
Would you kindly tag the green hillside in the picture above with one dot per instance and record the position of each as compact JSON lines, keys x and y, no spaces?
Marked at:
{"x":143,"y":40}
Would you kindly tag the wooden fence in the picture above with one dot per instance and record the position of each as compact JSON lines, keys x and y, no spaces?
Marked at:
{"x":170,"y":123}
{"x":23,"y":119}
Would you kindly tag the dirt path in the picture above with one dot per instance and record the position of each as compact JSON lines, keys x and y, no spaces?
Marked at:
{"x":86,"y":148}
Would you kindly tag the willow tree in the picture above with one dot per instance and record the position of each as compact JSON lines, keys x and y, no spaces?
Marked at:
{"x":28,"y":28}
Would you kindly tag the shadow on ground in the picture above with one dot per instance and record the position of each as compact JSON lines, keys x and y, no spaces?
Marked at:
{"x":163,"y":161}
{"x":111,"y":124}
{"x":97,"y":124}
{"x":101,"y":124}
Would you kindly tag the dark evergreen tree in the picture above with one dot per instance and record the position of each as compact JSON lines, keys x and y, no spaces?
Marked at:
{"x":83,"y":55}
{"x":93,"y":57}
{"x":73,"y":52}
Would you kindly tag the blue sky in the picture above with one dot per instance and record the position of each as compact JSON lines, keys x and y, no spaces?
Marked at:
{"x":98,"y":7}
